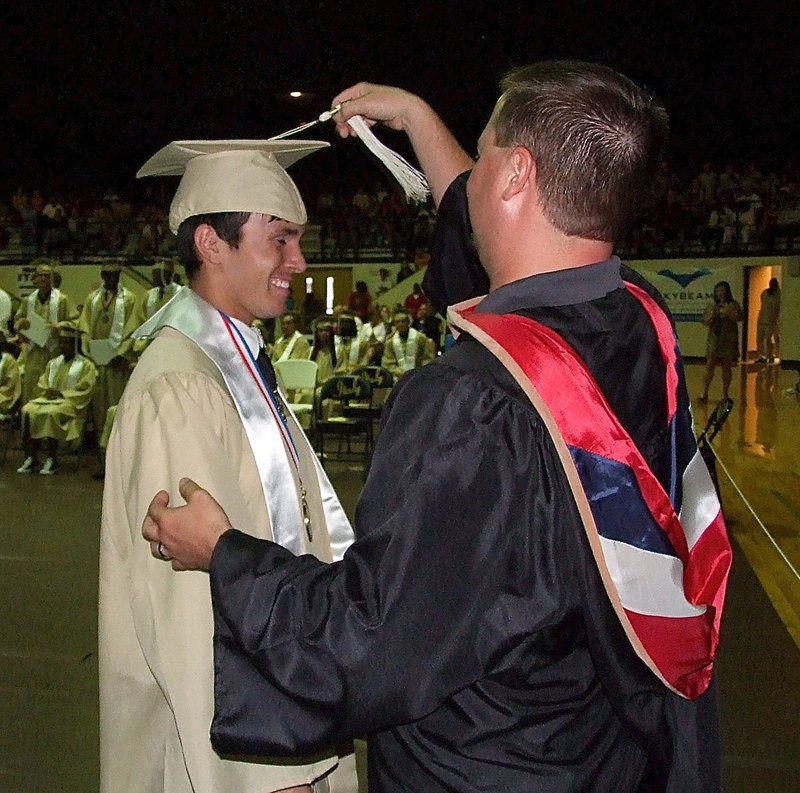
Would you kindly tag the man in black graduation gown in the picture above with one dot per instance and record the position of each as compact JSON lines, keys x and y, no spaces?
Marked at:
{"x":467,"y":631}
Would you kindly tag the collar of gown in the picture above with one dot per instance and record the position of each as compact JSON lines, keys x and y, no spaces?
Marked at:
{"x":558,"y":288}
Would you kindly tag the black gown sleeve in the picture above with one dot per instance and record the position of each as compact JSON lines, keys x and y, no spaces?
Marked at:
{"x":444,"y":584}
{"x":455,"y":272}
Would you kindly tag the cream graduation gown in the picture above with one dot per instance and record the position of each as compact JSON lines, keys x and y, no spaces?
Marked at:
{"x":108,"y":319}
{"x":62,"y":418}
{"x":178,"y":417}
{"x":56,"y":308}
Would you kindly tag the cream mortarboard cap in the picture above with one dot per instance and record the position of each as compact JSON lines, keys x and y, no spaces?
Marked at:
{"x":44,"y":267}
{"x":232,"y":176}
{"x":68,"y":328}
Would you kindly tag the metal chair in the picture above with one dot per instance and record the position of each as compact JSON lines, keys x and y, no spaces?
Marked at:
{"x":382,"y":381}
{"x":331,"y":403}
{"x":297,"y":375}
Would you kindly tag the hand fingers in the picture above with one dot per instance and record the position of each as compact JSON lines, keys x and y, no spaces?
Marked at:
{"x":158,"y":550}
{"x":154,"y":513}
{"x":358,"y":100}
{"x":351,"y":93}
{"x":187,"y":488}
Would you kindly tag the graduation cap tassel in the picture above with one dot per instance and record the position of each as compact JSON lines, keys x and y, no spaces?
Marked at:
{"x":413,"y":181}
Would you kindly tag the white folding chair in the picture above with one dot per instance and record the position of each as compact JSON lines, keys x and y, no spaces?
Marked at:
{"x":297,"y":375}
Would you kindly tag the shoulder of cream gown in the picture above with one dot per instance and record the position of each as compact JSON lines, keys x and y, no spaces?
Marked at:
{"x":172,"y":352}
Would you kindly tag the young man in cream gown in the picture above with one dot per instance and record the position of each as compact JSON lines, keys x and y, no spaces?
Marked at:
{"x":202,"y":400}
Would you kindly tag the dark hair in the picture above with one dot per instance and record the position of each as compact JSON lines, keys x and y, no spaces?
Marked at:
{"x":346,"y":327}
{"x":228,"y":226}
{"x":596,"y":138}
{"x":318,"y":326}
{"x":728,"y":293}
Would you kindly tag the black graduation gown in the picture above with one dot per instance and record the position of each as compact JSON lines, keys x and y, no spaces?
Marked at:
{"x":467,"y":631}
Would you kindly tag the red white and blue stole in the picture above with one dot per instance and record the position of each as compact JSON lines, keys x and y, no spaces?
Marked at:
{"x":664,"y":564}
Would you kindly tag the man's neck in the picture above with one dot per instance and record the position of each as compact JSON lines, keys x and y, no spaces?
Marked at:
{"x":573,"y":252}
{"x":200,"y":287}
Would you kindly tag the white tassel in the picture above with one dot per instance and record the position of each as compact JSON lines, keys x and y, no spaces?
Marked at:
{"x":413,"y":181}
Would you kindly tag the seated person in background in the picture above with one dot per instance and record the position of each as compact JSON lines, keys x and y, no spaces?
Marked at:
{"x":415,"y":300}
{"x":374,"y":327}
{"x":323,"y":351}
{"x":350,"y":350}
{"x":59,"y":410}
{"x":428,"y":323}
{"x":10,"y":381}
{"x":406,"y":348}
{"x":359,"y":300}
{"x":385,"y":282}
{"x":292,"y":344}
{"x":373,"y":334}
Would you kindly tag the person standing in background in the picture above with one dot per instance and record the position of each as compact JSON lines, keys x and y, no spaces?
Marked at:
{"x":769,"y":319}
{"x":51,"y":305}
{"x":721,"y":317}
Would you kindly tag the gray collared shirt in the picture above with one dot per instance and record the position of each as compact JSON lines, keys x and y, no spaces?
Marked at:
{"x":558,"y":288}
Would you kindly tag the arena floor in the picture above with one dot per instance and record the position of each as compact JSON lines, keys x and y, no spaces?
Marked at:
{"x":48,"y":566}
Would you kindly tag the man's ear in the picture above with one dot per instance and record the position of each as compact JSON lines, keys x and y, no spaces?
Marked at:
{"x":208,"y":243}
{"x":521,"y":172}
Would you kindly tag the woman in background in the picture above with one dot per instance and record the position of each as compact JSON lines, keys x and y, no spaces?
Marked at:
{"x":323,"y":351}
{"x":722,"y":317}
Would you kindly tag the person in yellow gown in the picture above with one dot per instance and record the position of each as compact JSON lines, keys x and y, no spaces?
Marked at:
{"x":58,"y":411}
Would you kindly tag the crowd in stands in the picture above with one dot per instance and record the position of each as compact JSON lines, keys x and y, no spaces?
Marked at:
{"x":135,"y":225}
{"x":718,"y":209}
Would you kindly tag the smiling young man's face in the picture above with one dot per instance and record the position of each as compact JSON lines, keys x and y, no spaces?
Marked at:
{"x":258,"y":273}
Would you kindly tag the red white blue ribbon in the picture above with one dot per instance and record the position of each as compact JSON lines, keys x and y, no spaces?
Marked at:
{"x":250,"y":363}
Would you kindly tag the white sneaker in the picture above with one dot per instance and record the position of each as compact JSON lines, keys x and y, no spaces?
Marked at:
{"x":26,"y":467}
{"x":49,"y":467}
